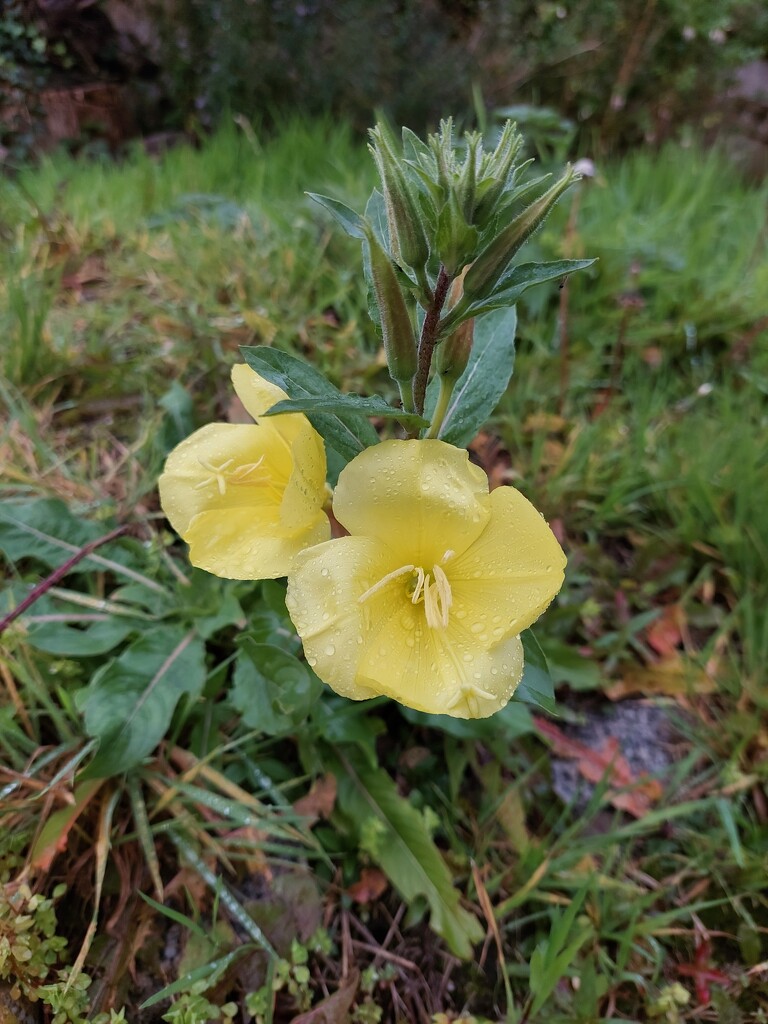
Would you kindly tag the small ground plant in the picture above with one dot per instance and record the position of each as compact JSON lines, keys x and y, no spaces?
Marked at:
{"x":162,"y":732}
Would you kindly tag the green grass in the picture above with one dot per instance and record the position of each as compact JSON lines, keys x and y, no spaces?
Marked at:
{"x":125,"y":291}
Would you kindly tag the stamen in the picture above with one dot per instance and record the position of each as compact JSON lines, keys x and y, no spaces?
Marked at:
{"x":469,"y":692}
{"x":444,"y":593}
{"x":432,"y":588}
{"x":385,"y":580}
{"x":419,"y":588}
{"x":219,"y":474}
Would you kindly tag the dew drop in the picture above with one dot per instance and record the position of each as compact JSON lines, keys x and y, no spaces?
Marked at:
{"x":468,"y":657}
{"x":330,"y":650}
{"x":460,"y":613}
{"x":477,"y":627}
{"x":324,"y":572}
{"x":311,"y":661}
{"x":410,"y":642}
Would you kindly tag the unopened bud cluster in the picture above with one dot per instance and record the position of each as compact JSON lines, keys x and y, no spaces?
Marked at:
{"x":447,"y":210}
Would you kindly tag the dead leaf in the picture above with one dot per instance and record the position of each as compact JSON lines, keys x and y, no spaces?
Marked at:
{"x":91,"y":271}
{"x":369,"y":887}
{"x":665,"y":634}
{"x":670,"y":677}
{"x":335,"y":1008}
{"x":607,"y":761}
{"x":55,"y":832}
{"x":319,"y":801}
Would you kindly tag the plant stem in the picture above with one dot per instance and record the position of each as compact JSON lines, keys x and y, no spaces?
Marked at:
{"x":406,"y":395}
{"x":428,"y":338}
{"x":441,"y":407}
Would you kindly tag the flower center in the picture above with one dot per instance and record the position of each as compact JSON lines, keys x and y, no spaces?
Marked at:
{"x":225,"y":473}
{"x":432,"y":589}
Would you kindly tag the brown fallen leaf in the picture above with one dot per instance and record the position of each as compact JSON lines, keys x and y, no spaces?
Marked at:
{"x":637,"y":794}
{"x":670,"y":677}
{"x":54,"y":834}
{"x":334,"y":1009}
{"x":665,"y":634}
{"x":319,"y":801}
{"x":371,"y":884}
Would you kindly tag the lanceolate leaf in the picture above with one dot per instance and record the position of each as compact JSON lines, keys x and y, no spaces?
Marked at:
{"x":129,"y":702}
{"x":521,"y":277}
{"x":349,"y":220}
{"x":484,"y":381}
{"x":355,"y":405}
{"x":404,"y":849}
{"x":347,"y":434}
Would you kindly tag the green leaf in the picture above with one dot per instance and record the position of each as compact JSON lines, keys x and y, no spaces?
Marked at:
{"x":404,"y":849}
{"x":347,"y":434}
{"x":45,"y":530}
{"x":129,"y":702}
{"x":484,"y":381}
{"x":512,"y":285}
{"x":536,"y":686}
{"x":68,"y":641}
{"x":351,"y":222}
{"x":273,"y":690}
{"x":354,"y":405}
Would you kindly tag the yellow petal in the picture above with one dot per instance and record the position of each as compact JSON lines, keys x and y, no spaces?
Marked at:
{"x":249,"y":543}
{"x":442,"y":672}
{"x":256,"y":393}
{"x":247,"y":497}
{"x":324,"y":587}
{"x":505,"y":580}
{"x":421,"y":498}
{"x":382,"y":644}
{"x":199,"y":473}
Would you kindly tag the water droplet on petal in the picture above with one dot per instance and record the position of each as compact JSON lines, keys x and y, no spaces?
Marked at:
{"x":330,"y":650}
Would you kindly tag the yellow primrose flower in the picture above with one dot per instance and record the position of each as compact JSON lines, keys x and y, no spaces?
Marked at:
{"x":426,"y":599}
{"x":248,"y":497}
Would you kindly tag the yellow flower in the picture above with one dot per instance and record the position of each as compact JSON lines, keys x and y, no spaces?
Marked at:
{"x":426,"y":599}
{"x":248,"y":497}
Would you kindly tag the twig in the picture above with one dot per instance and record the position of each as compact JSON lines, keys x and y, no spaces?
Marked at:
{"x":58,"y":574}
{"x":384,"y":954}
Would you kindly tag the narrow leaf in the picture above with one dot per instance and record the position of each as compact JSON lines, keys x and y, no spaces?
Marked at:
{"x":354,"y":405}
{"x":351,"y":222}
{"x":405,"y":850}
{"x":521,"y":277}
{"x":484,"y":381}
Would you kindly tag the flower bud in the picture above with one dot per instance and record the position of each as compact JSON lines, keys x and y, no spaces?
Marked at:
{"x":453,"y":354}
{"x":396,"y":326}
{"x":485,"y":272}
{"x":406,"y":232}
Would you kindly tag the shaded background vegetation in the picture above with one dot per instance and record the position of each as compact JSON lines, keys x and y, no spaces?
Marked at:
{"x":621,"y":71}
